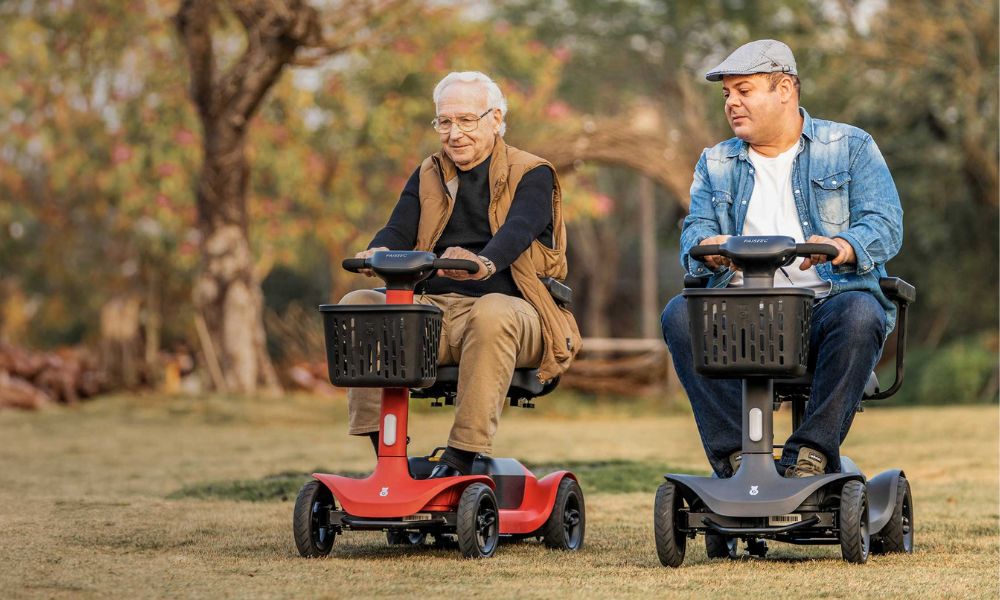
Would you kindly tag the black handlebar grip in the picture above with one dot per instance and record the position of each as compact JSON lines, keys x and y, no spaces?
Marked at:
{"x":354,"y":265}
{"x":703,"y":251}
{"x":456,"y":264}
{"x":828,"y":250}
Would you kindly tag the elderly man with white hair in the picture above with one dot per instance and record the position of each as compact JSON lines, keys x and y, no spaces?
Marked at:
{"x":481,"y":200}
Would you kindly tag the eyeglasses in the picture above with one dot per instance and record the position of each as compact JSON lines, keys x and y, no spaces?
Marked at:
{"x":465,"y":123}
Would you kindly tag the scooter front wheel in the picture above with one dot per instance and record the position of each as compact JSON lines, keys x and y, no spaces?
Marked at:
{"x":478,"y":522}
{"x":566,"y":524}
{"x":853,"y":522}
{"x":311,"y":527}
{"x":670,"y":540}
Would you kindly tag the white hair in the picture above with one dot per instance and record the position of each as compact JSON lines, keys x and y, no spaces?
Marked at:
{"x":493,"y":94}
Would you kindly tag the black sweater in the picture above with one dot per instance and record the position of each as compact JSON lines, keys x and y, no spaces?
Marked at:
{"x":530,"y":218}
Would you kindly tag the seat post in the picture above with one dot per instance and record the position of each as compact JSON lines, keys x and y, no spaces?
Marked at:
{"x":758,"y":416}
{"x":798,"y":411}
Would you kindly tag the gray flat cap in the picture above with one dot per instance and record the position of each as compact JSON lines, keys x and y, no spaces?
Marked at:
{"x":761,"y":56}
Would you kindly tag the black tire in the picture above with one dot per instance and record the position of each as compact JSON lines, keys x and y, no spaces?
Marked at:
{"x":478,"y":522}
{"x":567,"y":523}
{"x":314,"y":536}
{"x":398,"y":537}
{"x":444,"y":541}
{"x":757,"y":547}
{"x":720,"y":546}
{"x":897,"y":535}
{"x":670,"y":540}
{"x":852,"y":520}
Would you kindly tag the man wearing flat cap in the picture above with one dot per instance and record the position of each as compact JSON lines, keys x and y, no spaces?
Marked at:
{"x":786,"y":173}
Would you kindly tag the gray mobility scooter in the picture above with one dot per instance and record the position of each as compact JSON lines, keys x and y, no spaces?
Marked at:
{"x":761,"y":334}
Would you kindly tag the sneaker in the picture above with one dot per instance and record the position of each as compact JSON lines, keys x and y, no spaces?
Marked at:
{"x":735,"y":460}
{"x":810,"y":462}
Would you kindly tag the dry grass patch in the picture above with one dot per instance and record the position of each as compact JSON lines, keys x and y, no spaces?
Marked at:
{"x":86,"y":507}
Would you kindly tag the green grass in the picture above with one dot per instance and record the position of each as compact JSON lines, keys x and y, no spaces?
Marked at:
{"x":609,"y":476}
{"x":192,"y":497}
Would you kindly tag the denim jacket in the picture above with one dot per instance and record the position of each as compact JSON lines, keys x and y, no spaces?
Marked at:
{"x":842,"y":188}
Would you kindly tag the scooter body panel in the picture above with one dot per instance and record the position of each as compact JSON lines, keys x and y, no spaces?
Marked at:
{"x":882,"y":498}
{"x":756,"y":490}
{"x":390,"y":491}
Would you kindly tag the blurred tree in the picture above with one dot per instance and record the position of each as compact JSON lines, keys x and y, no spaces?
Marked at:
{"x":95,"y":147}
{"x":921,"y":77}
{"x":889,"y":67}
{"x":227,"y":293}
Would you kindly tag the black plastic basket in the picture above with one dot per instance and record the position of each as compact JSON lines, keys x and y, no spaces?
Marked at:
{"x":741,"y":332}
{"x":382,"y":345}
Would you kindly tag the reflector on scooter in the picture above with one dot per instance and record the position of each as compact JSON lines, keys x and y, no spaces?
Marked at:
{"x":389,"y":430}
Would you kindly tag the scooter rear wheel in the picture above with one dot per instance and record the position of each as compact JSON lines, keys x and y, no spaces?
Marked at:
{"x":720,"y":546}
{"x":396,"y":537}
{"x":314,"y":535}
{"x":478,"y":522}
{"x":897,"y":535}
{"x":670,"y":540}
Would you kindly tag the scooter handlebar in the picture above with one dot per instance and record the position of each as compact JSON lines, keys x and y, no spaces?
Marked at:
{"x":706,"y":250}
{"x":354,"y":265}
{"x":828,"y":250}
{"x":457,"y":264}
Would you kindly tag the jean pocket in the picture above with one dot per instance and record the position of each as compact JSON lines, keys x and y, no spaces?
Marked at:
{"x":722,"y":204}
{"x":832,"y":194}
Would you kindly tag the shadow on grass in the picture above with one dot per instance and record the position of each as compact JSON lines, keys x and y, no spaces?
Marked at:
{"x":609,"y":476}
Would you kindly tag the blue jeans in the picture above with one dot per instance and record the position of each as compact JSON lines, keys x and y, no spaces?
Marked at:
{"x":848,"y":330}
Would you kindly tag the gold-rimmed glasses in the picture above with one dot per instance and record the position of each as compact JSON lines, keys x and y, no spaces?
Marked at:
{"x":465,"y":123}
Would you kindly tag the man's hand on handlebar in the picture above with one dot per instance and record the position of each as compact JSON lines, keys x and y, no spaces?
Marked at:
{"x":462,"y":253}
{"x":715,"y":261}
{"x":367,"y":254}
{"x":846,"y":256}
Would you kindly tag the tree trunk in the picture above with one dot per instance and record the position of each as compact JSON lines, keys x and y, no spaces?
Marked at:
{"x":227,"y":295}
{"x":647,"y":259}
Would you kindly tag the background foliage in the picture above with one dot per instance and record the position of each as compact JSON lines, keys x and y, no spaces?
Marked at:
{"x":99,"y":149}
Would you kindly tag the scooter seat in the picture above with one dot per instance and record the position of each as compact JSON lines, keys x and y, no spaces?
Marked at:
{"x":788,"y":388}
{"x":524,"y":384}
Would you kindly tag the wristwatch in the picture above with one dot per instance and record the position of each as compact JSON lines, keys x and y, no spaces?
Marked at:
{"x":490,"y":267}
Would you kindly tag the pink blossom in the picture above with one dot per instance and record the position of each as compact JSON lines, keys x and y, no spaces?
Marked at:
{"x":557,"y":110}
{"x":184,"y":137}
{"x":121,"y":153}
{"x":603,"y":205}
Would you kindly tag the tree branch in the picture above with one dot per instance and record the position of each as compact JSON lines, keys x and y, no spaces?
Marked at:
{"x":192,"y":22}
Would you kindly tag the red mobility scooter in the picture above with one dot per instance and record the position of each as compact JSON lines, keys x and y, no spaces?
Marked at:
{"x":395,"y":347}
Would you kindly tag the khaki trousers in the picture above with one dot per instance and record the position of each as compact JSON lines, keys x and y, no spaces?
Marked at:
{"x":491,"y":335}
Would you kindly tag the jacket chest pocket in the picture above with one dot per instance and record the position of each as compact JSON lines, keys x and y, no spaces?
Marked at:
{"x":722,"y":204}
{"x":832,"y":194}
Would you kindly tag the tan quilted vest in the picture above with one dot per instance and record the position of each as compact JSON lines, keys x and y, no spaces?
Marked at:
{"x":508,"y":164}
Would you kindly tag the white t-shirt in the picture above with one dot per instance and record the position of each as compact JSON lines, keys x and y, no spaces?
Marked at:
{"x":772,"y":212}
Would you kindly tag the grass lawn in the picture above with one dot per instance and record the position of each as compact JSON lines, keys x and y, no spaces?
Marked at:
{"x":180,"y":497}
